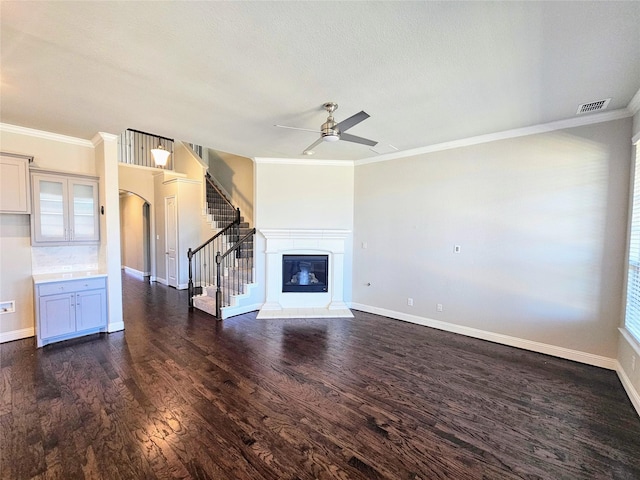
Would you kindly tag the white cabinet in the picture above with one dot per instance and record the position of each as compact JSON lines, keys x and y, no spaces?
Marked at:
{"x":70,"y":308}
{"x":65,"y":210}
{"x":14,"y":183}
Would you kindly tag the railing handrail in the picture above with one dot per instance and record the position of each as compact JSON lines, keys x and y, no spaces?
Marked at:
{"x":238,"y":244}
{"x":215,"y":187}
{"x":150,"y":134}
{"x":221,"y":232}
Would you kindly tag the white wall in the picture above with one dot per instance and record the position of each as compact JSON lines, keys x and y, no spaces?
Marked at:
{"x":299,"y":195}
{"x":303,"y":195}
{"x":106,"y":160}
{"x":541,"y":221}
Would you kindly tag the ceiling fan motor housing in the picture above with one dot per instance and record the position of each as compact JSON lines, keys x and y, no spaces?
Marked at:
{"x":329,"y":134}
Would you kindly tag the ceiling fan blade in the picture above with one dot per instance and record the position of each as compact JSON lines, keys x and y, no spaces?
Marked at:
{"x":297,"y":128}
{"x":346,"y":124}
{"x":313,"y":145}
{"x":352,"y":138}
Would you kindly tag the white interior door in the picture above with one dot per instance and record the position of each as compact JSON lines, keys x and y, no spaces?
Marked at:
{"x":171,"y":222}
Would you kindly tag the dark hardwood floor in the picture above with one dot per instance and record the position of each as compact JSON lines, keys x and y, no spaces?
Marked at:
{"x":180,"y":395}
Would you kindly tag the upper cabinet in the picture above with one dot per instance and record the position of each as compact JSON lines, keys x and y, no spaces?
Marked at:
{"x":65,"y":209}
{"x":14,"y":183}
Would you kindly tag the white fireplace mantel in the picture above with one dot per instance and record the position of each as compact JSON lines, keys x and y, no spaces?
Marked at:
{"x":304,"y":241}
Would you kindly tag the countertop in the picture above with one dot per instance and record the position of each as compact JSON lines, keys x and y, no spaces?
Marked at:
{"x":64,"y":276}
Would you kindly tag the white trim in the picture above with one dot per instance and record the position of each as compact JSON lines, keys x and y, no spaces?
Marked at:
{"x":155,"y":170}
{"x":31,"y":132}
{"x":161,"y":280}
{"x":631,"y":340}
{"x":302,"y":161}
{"x":634,"y":104}
{"x":507,"y":134}
{"x":115,"y":327}
{"x":17,"y":334}
{"x":232,"y":311}
{"x":635,"y":139}
{"x":632,"y":393}
{"x":100,"y":137}
{"x":135,"y":273}
{"x":181,"y":180}
{"x":553,"y":350}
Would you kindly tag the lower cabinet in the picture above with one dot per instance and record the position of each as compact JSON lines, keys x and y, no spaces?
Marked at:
{"x":68,"y":309}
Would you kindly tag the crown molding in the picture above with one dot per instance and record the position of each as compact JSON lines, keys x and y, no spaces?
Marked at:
{"x":507,"y":134}
{"x":304,"y":161}
{"x":634,"y":104}
{"x":57,"y":137}
{"x":100,"y":137}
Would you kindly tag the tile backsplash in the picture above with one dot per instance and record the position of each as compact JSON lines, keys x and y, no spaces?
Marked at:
{"x":64,"y":259}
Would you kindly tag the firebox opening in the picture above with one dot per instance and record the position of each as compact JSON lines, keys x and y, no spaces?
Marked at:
{"x":305,"y":273}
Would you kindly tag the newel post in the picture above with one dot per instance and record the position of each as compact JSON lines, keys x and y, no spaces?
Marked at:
{"x":190,"y":285}
{"x":218,"y":289}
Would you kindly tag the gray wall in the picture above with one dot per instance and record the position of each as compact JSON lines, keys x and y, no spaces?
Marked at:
{"x":541,"y":222}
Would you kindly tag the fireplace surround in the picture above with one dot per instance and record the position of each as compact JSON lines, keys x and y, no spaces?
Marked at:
{"x":305,"y":244}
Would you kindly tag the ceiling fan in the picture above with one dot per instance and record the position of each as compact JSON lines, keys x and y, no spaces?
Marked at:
{"x":330,"y":131}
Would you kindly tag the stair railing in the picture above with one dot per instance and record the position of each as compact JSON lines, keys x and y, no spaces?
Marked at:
{"x":231,"y":272}
{"x":204,"y":256}
{"x":238,"y":269}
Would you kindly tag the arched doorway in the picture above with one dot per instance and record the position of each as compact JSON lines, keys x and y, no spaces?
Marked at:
{"x":135,"y":235}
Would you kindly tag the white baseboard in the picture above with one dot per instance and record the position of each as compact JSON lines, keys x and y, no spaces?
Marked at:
{"x":227,"y":312}
{"x":182,"y":286}
{"x":115,"y":327}
{"x":553,"y":350}
{"x":135,"y":273}
{"x":161,"y":280}
{"x":632,"y":393}
{"x":17,"y":334}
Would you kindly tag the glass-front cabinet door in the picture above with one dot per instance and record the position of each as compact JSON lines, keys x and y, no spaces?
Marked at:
{"x":65,"y":210}
{"x":83,"y":212}
{"x":50,"y":209}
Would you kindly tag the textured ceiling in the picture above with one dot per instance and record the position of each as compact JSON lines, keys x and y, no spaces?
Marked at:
{"x":221,"y":74}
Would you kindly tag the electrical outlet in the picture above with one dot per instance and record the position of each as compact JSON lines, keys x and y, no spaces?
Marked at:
{"x":456,"y":249}
{"x":439,"y":307}
{"x":410,"y":302}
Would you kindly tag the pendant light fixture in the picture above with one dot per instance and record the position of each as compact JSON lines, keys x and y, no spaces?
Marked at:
{"x":160,"y":156}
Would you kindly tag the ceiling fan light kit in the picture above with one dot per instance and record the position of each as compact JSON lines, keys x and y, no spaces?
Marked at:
{"x":330,"y":131}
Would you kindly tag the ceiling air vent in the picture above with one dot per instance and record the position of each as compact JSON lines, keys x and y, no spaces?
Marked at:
{"x":593,"y":106}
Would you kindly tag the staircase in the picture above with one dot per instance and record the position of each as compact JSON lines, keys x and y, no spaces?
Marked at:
{"x":221,"y":270}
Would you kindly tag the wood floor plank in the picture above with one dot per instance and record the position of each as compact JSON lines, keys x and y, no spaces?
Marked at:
{"x":181,"y":395}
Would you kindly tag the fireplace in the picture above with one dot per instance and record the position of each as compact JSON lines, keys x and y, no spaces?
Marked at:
{"x":317,"y":262}
{"x":305,"y":273}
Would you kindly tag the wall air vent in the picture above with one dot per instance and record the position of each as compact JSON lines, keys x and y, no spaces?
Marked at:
{"x":593,"y":106}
